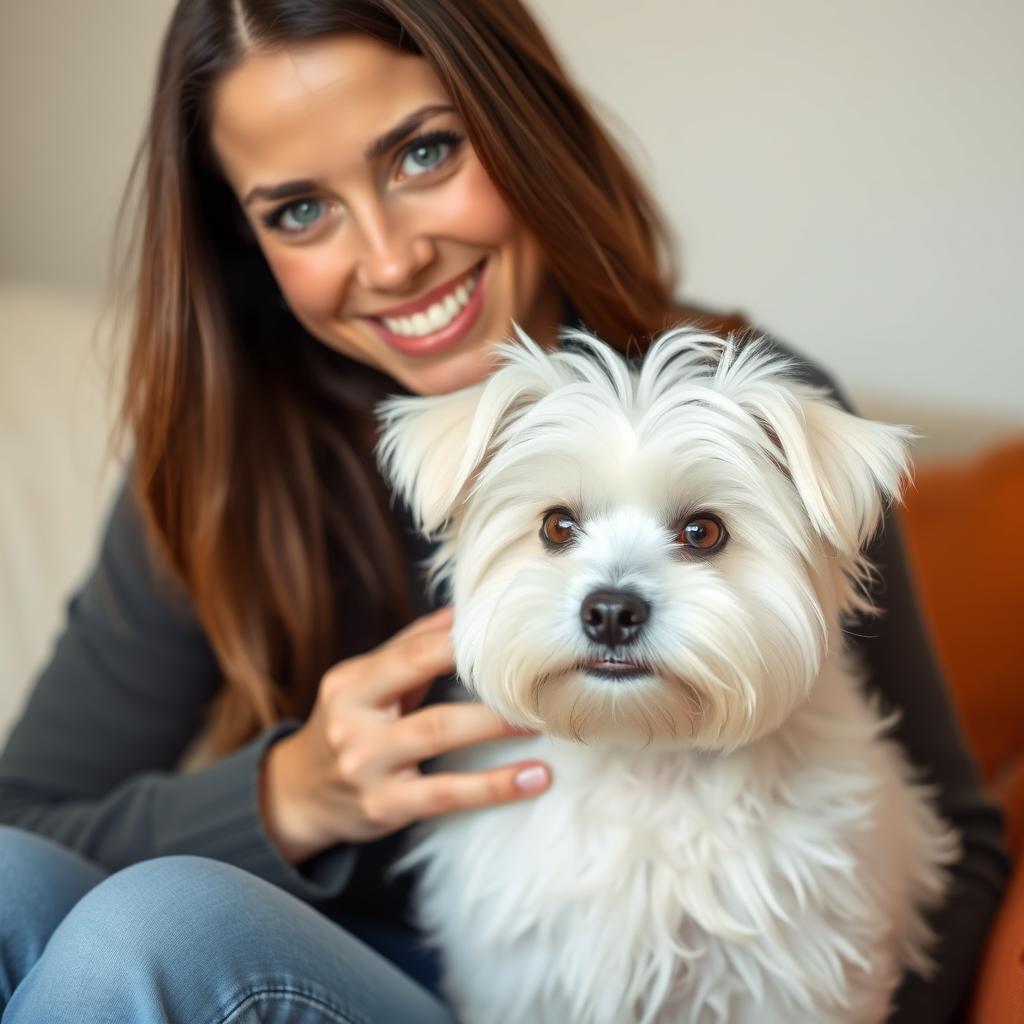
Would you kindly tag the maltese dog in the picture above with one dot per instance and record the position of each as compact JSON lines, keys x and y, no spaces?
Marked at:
{"x":652,"y":568}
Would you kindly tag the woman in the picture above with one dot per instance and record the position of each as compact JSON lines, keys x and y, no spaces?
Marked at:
{"x":340,"y":200}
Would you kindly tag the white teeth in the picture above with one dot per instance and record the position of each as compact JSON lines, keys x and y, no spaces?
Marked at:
{"x":437,"y":316}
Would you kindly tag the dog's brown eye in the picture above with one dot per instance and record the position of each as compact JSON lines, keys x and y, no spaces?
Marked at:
{"x":703,"y":533}
{"x":558,"y":527}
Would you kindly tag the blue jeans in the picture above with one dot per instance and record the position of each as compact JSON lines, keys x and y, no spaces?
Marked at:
{"x":181,"y":940}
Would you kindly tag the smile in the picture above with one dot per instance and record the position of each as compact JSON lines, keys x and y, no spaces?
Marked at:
{"x":437,"y":315}
{"x":436,"y":321}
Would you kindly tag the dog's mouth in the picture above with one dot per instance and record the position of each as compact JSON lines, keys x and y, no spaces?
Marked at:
{"x":615,"y":668}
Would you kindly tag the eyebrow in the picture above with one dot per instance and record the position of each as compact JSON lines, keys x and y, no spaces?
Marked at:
{"x":374,"y":151}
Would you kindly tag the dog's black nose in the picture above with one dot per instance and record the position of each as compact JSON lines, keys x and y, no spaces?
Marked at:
{"x":613,"y":617}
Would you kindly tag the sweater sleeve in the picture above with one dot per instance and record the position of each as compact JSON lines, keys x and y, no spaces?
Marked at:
{"x":91,"y":762}
{"x":902,"y":667}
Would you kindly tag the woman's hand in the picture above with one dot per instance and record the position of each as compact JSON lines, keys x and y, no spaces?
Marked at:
{"x":350,"y":773}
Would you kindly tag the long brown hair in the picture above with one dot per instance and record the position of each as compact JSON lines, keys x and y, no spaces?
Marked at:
{"x":251,"y":460}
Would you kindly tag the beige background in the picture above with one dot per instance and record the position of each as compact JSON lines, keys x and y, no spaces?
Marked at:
{"x":849,"y":174}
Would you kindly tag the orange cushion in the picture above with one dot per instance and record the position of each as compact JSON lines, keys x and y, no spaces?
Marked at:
{"x":999,"y":988}
{"x":965,"y":536}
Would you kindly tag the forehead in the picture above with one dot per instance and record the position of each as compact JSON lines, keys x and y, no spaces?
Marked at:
{"x":311,"y":109}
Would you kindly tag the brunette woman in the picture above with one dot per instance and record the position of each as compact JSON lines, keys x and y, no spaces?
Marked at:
{"x":339,"y":199}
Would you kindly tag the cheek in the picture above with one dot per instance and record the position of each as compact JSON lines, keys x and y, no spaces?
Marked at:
{"x":474,"y":212}
{"x":312,"y":280}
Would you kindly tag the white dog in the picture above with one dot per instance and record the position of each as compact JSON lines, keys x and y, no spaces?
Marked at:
{"x":653,"y":568}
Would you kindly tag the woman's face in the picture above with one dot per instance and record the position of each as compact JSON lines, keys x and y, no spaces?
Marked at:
{"x":386,"y":236}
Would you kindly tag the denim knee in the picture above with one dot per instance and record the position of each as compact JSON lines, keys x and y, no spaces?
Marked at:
{"x":160,"y":919}
{"x":40,"y":881}
{"x":169,"y":940}
{"x":187,"y":939}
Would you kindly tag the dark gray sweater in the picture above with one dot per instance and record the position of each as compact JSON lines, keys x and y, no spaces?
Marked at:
{"x":93,"y":760}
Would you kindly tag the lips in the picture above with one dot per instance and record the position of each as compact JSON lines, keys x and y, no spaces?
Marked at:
{"x":428,"y":299}
{"x":438,"y":320}
{"x":615,"y":669}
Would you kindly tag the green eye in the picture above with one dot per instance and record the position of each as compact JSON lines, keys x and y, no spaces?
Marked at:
{"x":301,"y":214}
{"x":424,"y":157}
{"x":428,"y":152}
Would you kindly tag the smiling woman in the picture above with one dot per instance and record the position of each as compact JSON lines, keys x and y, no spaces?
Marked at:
{"x":398,"y":249}
{"x":337,"y":200}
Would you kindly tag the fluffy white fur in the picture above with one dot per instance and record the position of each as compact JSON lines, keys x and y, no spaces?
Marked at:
{"x":731,"y":837}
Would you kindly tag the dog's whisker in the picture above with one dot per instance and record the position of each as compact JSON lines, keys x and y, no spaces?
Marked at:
{"x":668,"y":719}
{"x":535,"y":692}
{"x":574,"y":726}
{"x":648,"y":725}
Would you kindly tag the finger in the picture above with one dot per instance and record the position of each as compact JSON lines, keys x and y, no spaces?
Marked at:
{"x":401,"y":665}
{"x":409,"y":701}
{"x":439,"y":618}
{"x":412,"y":699}
{"x":427,"y":796}
{"x":440,"y":728}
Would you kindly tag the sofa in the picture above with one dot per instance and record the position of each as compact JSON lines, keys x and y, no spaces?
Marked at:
{"x":964,"y":526}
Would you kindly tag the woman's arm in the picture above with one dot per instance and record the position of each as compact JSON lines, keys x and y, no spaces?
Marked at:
{"x":92,"y":761}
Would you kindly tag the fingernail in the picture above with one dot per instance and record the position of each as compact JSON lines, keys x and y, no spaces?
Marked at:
{"x":531,"y":779}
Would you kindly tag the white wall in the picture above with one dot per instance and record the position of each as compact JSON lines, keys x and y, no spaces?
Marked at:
{"x":850,"y":174}
{"x":75,"y":82}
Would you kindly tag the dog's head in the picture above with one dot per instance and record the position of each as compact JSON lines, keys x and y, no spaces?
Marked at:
{"x":649,"y":556}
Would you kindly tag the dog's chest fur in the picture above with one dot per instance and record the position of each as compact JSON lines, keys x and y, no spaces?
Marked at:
{"x":681,"y":886}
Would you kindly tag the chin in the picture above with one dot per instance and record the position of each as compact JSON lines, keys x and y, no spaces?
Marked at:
{"x":653,"y":567}
{"x":452,"y":372}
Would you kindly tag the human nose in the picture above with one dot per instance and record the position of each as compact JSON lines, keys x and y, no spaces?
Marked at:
{"x":391,"y":251}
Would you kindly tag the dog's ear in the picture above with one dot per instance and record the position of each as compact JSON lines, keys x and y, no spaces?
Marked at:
{"x":431,"y":449}
{"x":424,"y":451}
{"x":844,"y":468}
